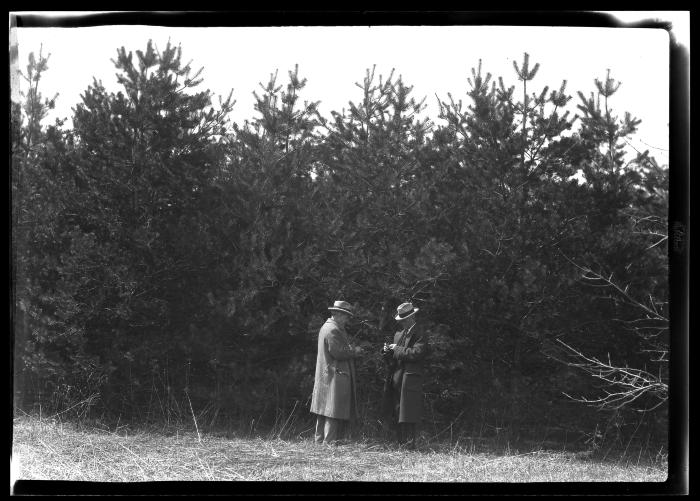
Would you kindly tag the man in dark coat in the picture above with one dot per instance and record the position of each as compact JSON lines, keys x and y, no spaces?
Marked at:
{"x":334,"y":398}
{"x":404,"y":388}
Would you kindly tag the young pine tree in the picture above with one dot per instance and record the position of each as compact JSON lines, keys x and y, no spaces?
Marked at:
{"x":148,"y":156}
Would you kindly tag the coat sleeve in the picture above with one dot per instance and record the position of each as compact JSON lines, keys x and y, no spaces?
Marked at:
{"x":418,"y":351}
{"x":336,"y":347}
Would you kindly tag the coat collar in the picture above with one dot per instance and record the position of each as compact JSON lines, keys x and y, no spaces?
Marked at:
{"x":407,"y":333}
{"x":336,"y":324}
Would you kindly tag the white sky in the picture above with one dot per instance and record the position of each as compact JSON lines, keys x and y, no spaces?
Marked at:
{"x":434,"y":59}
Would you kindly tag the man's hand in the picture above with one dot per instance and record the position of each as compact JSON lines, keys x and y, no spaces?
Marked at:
{"x":358,"y":350}
{"x":392,"y":346}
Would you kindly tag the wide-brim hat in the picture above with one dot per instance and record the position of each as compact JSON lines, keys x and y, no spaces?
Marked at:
{"x":405,"y":310}
{"x":343,"y":306}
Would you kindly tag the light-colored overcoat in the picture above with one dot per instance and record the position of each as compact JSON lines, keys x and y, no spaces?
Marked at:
{"x":335,"y":387}
{"x":410,"y":352}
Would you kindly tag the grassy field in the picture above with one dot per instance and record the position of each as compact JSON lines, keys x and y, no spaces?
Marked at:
{"x":52,"y":450}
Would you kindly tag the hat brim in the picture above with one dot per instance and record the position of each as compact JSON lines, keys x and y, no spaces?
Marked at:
{"x":415,"y":310}
{"x":340,"y":309}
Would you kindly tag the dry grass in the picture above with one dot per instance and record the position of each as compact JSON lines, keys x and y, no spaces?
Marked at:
{"x":51,"y":450}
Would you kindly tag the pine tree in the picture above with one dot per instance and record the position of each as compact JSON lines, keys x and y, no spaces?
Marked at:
{"x":373,"y":173}
{"x":147,"y":157}
{"x":272,"y":273}
{"x":628,"y":209}
{"x":522,"y":214}
{"x":525,"y":75}
{"x":51,"y":364}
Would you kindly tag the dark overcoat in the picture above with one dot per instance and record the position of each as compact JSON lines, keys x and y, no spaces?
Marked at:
{"x":335,"y":387}
{"x":407,"y":370}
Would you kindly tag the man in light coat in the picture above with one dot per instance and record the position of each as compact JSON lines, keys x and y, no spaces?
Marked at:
{"x":404,"y":389}
{"x":334,"y":398}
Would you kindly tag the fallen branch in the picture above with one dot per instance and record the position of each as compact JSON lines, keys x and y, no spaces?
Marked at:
{"x":630,"y":383}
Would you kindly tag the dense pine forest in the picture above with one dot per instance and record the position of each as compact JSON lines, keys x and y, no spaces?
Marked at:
{"x":168,"y":263}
